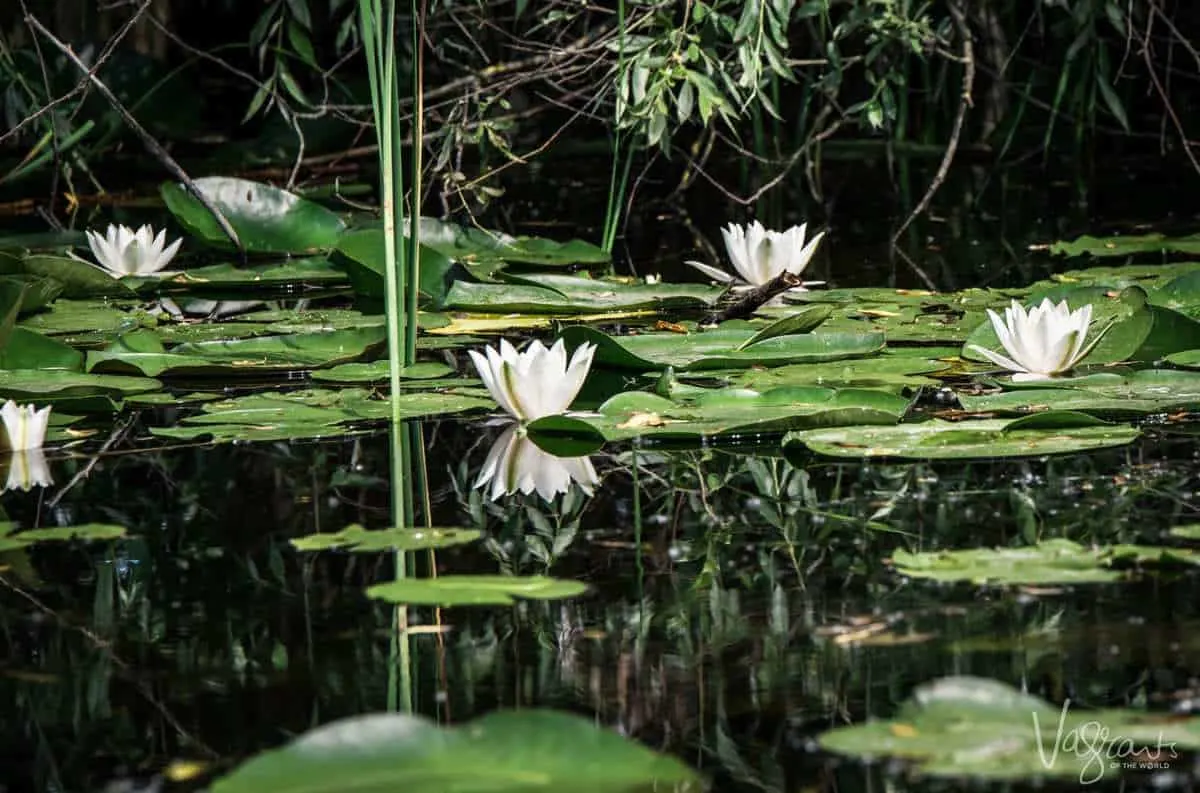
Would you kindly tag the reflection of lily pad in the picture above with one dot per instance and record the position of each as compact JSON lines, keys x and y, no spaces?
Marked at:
{"x":1056,"y":432}
{"x":475,"y":590}
{"x":1056,"y":561}
{"x":718,"y":349}
{"x":356,"y":538}
{"x":974,"y":727}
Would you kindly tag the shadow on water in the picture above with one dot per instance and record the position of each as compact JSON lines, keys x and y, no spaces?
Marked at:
{"x":751,"y":606}
{"x":753,"y":611}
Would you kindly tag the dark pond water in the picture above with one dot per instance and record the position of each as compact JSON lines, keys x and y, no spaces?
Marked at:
{"x":751,"y":607}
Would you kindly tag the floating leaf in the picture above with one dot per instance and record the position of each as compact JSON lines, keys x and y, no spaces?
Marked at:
{"x":569,"y":294}
{"x":964,"y":727}
{"x":356,"y":538}
{"x":1126,"y":246}
{"x":803,"y":321}
{"x":1054,"y":432}
{"x":504,"y":752}
{"x":475,"y":590}
{"x":266,"y":219}
{"x":734,"y":414}
{"x":1056,"y":561}
{"x":718,"y":349}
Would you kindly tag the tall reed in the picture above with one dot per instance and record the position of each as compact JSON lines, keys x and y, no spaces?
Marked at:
{"x":377,"y":21}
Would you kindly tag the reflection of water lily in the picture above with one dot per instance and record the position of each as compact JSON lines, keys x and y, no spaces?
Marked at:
{"x":123,"y":251}
{"x":25,"y":425}
{"x":27,"y":469}
{"x":759,"y":255}
{"x":1046,"y":341}
{"x":534,"y":383}
{"x":516,"y":463}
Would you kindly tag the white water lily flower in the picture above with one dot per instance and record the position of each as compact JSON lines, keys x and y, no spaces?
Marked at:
{"x":27,"y":469}
{"x":1047,"y":340}
{"x":25,"y":425}
{"x":534,"y":383}
{"x":759,"y":255}
{"x":123,"y":251}
{"x":516,"y":463}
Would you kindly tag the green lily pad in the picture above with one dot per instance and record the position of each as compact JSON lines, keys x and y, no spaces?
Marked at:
{"x":1189,"y":532}
{"x":58,"y":386}
{"x":12,"y":540}
{"x":360,"y":540}
{"x":732,"y":413}
{"x":380,"y":372}
{"x":892,"y":369}
{"x":1105,"y":393}
{"x":79,"y":279}
{"x":143,"y":352}
{"x":266,"y":219}
{"x":964,"y":727}
{"x":718,"y":349}
{"x":363,"y":257}
{"x":1053,"y":432}
{"x":27,"y":349}
{"x":466,"y":244}
{"x":316,"y":270}
{"x":1056,"y":561}
{"x":570,"y":294}
{"x":1131,"y":245}
{"x":310,"y":413}
{"x":85,"y":316}
{"x":475,"y":590}
{"x":504,"y":752}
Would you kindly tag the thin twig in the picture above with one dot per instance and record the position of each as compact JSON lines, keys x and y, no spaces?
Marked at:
{"x":83,"y":473}
{"x":152,"y":145}
{"x":751,"y":301}
{"x":964,"y":104}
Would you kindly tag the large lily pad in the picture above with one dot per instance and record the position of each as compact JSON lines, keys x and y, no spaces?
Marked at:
{"x":142,"y":352}
{"x":1054,"y":432}
{"x":730,"y":413}
{"x":719,"y":349}
{"x":79,"y":279}
{"x":266,"y":219}
{"x":1056,"y":561}
{"x":1105,"y":393}
{"x":315,"y":270}
{"x":569,"y":294}
{"x":360,"y":540}
{"x":1131,"y":245}
{"x":505,"y":752}
{"x":475,"y":590}
{"x":11,"y":540}
{"x":363,"y":257}
{"x":974,"y":727}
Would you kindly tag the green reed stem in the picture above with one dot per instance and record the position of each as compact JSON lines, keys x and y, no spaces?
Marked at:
{"x":377,"y":20}
{"x":622,"y":160}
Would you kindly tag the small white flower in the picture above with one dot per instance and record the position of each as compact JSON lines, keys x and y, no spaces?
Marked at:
{"x":759,"y":255}
{"x":653,"y":278}
{"x":123,"y":251}
{"x":27,"y":469}
{"x":25,"y":425}
{"x":517,"y":463}
{"x":537,"y":382}
{"x":1047,"y":340}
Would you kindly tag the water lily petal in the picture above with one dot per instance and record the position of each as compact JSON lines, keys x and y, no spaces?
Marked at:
{"x":998,"y":359}
{"x":711,"y":272}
